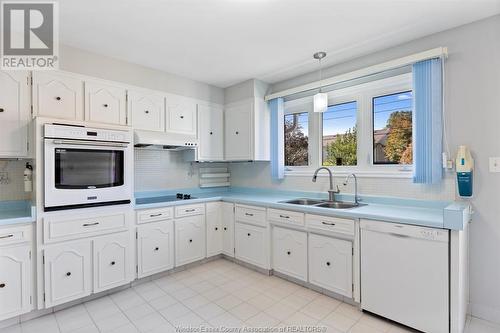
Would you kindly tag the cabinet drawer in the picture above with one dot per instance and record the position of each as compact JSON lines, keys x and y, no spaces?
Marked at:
{"x":252,"y":215}
{"x":189,"y":210}
{"x":152,"y":215}
{"x":15,"y":235}
{"x":64,"y":228}
{"x":285,"y":216}
{"x":331,"y":224}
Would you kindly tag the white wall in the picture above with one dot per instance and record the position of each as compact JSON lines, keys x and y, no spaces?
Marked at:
{"x":472,"y":96}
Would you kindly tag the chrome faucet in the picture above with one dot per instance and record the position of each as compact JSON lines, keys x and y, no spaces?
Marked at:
{"x":331,"y":191}
{"x":356,"y":198}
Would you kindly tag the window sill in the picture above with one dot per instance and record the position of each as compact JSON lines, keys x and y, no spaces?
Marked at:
{"x":408,"y":174}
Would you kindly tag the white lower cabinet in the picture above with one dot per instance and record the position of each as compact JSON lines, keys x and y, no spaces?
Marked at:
{"x":112,"y":261}
{"x":190,"y":239}
{"x":330,"y":264}
{"x":252,"y":244}
{"x":155,"y":248}
{"x":15,"y":277}
{"x":290,"y":252}
{"x":214,"y":228}
{"x":68,"y":272}
{"x":228,"y":229}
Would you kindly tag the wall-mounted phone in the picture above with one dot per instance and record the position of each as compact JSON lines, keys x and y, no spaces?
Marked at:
{"x":465,"y":172}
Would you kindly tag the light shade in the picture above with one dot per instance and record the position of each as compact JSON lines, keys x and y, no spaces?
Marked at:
{"x":320,"y":102}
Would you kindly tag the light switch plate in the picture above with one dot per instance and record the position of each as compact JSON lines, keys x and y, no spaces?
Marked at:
{"x":494,"y":164}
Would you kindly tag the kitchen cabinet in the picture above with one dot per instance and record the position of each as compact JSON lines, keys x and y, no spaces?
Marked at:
{"x":155,"y":247}
{"x":57,"y":95}
{"x":147,"y":110}
{"x":214,"y":228}
{"x":112,"y":261}
{"x":15,"y":281}
{"x":330,"y":264}
{"x":210,"y":133}
{"x":190,"y":239}
{"x":228,"y":229}
{"x":14,"y":113}
{"x":181,"y":115}
{"x":67,"y":272}
{"x":247,"y":131}
{"x":252,"y":244}
{"x":105,"y":103}
{"x":289,"y":252}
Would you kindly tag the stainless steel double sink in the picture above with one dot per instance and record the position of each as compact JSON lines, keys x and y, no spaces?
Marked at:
{"x":322,"y":203}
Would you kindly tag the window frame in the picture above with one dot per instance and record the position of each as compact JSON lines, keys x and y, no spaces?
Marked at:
{"x":363,"y":94}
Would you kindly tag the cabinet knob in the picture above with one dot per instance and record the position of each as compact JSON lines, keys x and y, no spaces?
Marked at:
{"x":237,"y":132}
{"x":113,"y":263}
{"x":105,"y":105}
{"x":190,"y":241}
{"x":288,"y":252}
{"x":249,"y":235}
{"x":182,"y":117}
{"x":328,"y":263}
{"x":2,"y":285}
{"x":2,"y":110}
{"x":58,"y":98}
{"x":157,"y":248}
{"x":211,"y":133}
{"x":146,"y":111}
{"x":225,"y":228}
{"x":68,"y":274}
{"x":216,"y":228}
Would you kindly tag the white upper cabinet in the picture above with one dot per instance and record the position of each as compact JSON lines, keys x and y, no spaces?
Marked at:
{"x":147,"y":110}
{"x":57,"y":95}
{"x":105,"y":103}
{"x":181,"y":115}
{"x":247,"y":131}
{"x":210,"y":133}
{"x":14,"y":113}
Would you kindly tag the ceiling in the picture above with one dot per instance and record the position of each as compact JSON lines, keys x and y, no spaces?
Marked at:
{"x":223,"y":42}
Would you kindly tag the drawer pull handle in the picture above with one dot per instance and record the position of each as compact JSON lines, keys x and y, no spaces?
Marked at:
{"x":58,"y":98}
{"x":7,"y":236}
{"x":248,"y":214}
{"x":90,"y":224}
{"x":155,"y":215}
{"x":113,"y":263}
{"x":328,"y":263}
{"x":249,"y":235}
{"x":328,"y":223}
{"x":284,"y":216}
{"x":189,"y":210}
{"x":2,"y":285}
{"x":157,"y":248}
{"x":190,"y":241}
{"x":68,"y":274}
{"x":2,"y":110}
{"x":288,"y":252}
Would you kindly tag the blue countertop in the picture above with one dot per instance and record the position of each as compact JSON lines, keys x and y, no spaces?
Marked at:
{"x":436,"y":214}
{"x":16,"y":212}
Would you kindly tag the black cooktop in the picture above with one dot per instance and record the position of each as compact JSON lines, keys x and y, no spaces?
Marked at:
{"x":164,"y":198}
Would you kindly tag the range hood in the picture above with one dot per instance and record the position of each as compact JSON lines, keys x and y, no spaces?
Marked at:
{"x":164,"y":141}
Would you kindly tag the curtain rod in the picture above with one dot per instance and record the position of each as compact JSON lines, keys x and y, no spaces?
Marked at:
{"x":374,"y":69}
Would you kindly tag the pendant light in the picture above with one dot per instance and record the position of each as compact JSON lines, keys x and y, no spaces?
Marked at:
{"x":320,"y":100}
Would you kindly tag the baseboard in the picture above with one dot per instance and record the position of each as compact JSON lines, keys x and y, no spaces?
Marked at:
{"x":485,"y":312}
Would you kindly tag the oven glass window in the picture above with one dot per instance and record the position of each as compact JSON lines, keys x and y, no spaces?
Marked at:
{"x":86,"y":168}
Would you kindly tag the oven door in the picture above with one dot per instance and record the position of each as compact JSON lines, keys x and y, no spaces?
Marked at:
{"x":83,"y":173}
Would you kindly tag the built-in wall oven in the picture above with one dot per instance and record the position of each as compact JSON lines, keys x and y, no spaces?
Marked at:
{"x":86,"y":167}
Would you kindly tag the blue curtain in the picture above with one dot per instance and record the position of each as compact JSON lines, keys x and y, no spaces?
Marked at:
{"x":427,"y":121}
{"x":276,"y":107}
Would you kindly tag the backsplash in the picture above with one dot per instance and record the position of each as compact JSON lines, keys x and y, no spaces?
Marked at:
{"x":13,"y":186}
{"x":258,"y":174}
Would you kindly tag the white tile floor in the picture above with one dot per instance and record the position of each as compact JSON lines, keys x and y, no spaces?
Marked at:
{"x":218,"y":293}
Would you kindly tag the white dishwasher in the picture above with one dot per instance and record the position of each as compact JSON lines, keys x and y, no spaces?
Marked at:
{"x":404,"y":274}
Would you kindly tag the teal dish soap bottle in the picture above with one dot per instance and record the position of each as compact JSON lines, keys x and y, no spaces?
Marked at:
{"x":465,"y":172}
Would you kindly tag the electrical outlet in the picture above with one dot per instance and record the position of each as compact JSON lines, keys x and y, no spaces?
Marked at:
{"x":494,"y":164}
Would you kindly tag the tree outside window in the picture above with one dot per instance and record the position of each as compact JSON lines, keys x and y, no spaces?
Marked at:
{"x":296,"y":139}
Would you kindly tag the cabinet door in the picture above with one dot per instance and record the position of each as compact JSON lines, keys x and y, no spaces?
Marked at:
{"x":112,"y":261}
{"x":147,"y":110}
{"x":190,"y":243}
{"x":214,"y":228}
{"x":238,"y":132}
{"x":330,"y":264}
{"x":290,"y":252}
{"x":228,"y":229}
{"x":251,"y":245}
{"x":210,"y":133}
{"x":105,"y":103}
{"x":57,"y":95}
{"x":68,"y":272}
{"x":181,"y":115}
{"x":14,"y":113}
{"x":15,"y":277}
{"x":155,"y":247}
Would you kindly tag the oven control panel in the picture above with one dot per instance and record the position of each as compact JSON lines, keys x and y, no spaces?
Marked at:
{"x":85,"y":133}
